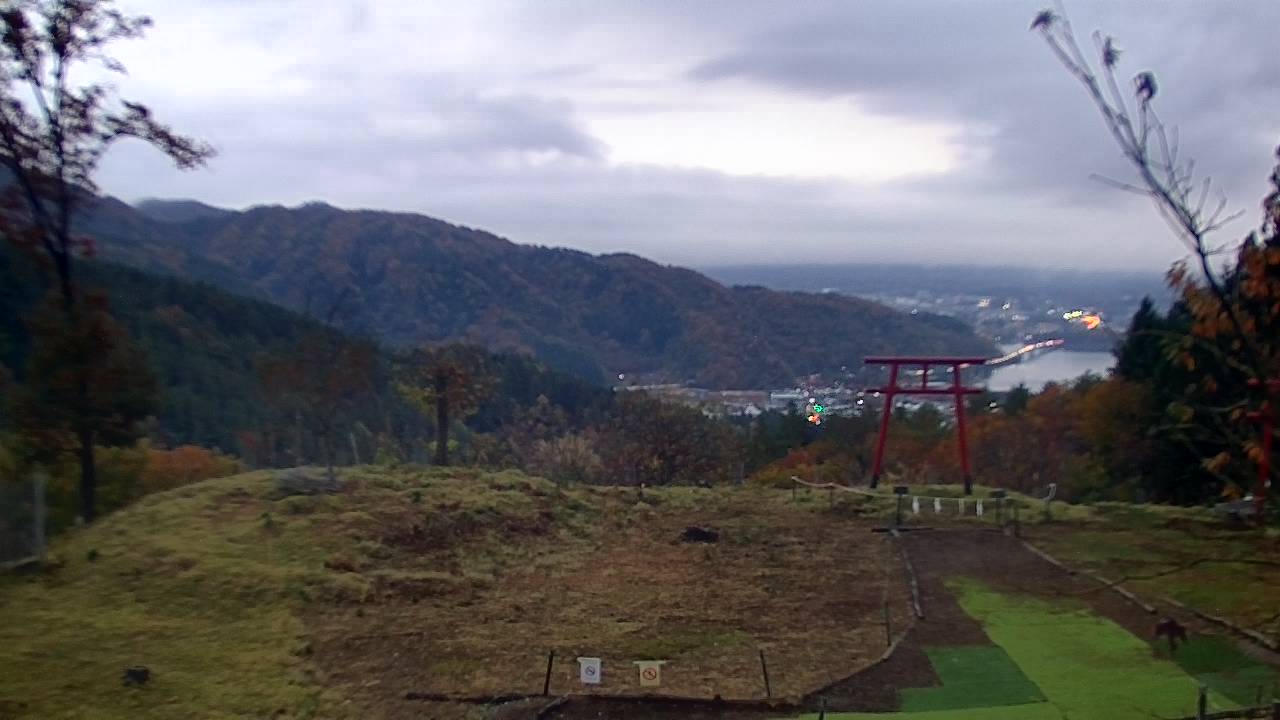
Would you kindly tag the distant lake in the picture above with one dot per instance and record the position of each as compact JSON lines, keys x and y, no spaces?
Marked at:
{"x":1054,"y":366}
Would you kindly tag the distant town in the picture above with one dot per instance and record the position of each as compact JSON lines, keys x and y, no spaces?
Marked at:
{"x":1014,"y":320}
{"x":1022,"y":326}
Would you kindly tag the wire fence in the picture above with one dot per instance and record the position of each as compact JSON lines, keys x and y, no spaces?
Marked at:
{"x":22,"y":519}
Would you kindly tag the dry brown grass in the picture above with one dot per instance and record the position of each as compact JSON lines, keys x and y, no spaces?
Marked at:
{"x":247,"y":604}
{"x":472,"y":587}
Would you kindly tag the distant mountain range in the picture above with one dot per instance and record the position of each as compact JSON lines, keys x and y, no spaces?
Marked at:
{"x":1112,"y":288}
{"x":409,"y":279}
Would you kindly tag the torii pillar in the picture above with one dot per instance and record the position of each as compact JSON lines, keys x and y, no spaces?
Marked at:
{"x":957,"y":390}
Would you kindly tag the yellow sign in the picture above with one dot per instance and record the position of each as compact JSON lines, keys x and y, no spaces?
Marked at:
{"x":650,"y":672}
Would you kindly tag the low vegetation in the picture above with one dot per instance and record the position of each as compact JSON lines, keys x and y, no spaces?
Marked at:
{"x":1197,"y":558}
{"x":245,"y":601}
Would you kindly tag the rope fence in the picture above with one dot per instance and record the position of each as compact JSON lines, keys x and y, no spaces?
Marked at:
{"x":936,"y":504}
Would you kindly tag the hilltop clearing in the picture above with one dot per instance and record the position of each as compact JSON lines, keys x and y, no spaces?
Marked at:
{"x":410,"y":593}
{"x":246,"y":603}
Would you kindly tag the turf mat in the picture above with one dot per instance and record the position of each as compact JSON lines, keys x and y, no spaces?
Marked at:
{"x":1086,"y":665}
{"x":978,"y":676}
{"x":1037,"y":711}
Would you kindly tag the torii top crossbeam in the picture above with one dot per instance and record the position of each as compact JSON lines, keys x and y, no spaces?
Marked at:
{"x":957,"y":390}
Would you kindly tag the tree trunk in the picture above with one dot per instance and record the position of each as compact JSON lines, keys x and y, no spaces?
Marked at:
{"x":88,"y":477}
{"x":442,"y":420}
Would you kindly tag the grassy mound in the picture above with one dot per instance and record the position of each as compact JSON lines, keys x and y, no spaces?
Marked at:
{"x":197,"y":584}
{"x":247,"y":603}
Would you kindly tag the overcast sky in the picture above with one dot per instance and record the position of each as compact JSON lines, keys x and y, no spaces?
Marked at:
{"x":705,"y":132}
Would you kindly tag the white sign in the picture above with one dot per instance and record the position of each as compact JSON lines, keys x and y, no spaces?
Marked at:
{"x":915,"y":505}
{"x":650,"y":672}
{"x":589,"y":670}
{"x":978,"y":508}
{"x":937,"y":505}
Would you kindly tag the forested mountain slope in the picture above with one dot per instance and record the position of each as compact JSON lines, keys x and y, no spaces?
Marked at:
{"x":409,"y":279}
{"x":206,"y":348}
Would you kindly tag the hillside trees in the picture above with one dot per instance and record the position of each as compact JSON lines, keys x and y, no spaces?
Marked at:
{"x":50,"y":407}
{"x":53,"y":134}
{"x":651,"y":442}
{"x":1231,"y":349}
{"x":319,"y":386}
{"x":449,"y":379}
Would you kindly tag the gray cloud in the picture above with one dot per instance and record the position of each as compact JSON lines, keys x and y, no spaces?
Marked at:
{"x":977,"y":64}
{"x":484,"y":117}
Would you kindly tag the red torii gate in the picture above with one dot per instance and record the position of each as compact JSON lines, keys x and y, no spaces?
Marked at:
{"x":957,"y":390}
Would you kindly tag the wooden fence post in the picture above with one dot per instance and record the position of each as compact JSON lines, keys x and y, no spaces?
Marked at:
{"x":764,"y":669}
{"x":38,"y":513}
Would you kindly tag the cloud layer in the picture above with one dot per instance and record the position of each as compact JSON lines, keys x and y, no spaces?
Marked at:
{"x":704,"y":133}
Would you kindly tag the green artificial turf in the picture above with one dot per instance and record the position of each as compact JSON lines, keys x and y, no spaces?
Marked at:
{"x":1219,"y":664}
{"x":1037,"y":711}
{"x":972,"y":677}
{"x":1087,"y":666}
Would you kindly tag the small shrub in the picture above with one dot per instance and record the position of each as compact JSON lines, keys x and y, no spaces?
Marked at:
{"x":184,"y":465}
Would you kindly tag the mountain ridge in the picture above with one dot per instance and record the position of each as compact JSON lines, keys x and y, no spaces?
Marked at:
{"x":407,"y":278}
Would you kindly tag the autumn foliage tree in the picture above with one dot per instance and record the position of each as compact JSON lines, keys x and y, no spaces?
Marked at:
{"x":648,"y":441}
{"x":449,"y":380}
{"x":1231,"y":351}
{"x":1231,"y":347}
{"x":53,"y":134}
{"x":50,"y":407}
{"x":318,"y":384}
